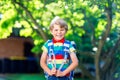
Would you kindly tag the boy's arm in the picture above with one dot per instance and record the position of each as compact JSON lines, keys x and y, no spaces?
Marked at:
{"x":74,"y":63}
{"x":43,"y":62}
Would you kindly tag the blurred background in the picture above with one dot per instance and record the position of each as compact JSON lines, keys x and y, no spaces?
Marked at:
{"x":94,"y":25}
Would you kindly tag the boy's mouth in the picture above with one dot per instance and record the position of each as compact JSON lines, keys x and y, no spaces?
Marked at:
{"x":58,"y":35}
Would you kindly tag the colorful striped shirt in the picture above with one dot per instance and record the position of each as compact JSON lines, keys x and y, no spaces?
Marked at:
{"x":59,"y":53}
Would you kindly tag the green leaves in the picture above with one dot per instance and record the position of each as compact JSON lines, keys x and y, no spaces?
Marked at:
{"x":6,"y":23}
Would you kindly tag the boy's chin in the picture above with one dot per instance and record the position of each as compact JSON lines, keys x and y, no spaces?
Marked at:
{"x":58,"y":39}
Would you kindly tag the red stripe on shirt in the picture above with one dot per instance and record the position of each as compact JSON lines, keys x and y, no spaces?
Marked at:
{"x":59,"y":56}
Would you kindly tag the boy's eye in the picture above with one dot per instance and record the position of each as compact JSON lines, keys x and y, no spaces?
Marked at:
{"x":59,"y":29}
{"x":62,"y":30}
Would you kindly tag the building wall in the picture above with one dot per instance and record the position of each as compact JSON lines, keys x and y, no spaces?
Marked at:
{"x":12,"y":47}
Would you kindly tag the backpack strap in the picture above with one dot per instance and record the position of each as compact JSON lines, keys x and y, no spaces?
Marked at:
{"x":67,"y":45}
{"x":51,"y":54}
{"x":66,"y":52}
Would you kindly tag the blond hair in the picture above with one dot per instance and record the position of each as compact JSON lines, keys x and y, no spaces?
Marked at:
{"x":58,"y":21}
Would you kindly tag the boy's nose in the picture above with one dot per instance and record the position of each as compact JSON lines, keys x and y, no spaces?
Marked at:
{"x":59,"y":31}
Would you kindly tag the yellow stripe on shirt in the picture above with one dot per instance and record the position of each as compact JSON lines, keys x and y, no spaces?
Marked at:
{"x":60,"y":61}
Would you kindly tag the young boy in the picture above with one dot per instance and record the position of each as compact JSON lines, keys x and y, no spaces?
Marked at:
{"x":58,"y":59}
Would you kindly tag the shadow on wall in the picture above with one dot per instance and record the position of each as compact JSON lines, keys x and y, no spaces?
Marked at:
{"x":27,"y":49}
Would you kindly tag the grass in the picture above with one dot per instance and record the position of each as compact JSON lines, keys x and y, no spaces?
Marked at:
{"x":26,"y":77}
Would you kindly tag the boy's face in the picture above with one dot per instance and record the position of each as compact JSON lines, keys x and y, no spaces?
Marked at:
{"x":58,"y":32}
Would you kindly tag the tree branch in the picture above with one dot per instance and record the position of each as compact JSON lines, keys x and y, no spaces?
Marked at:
{"x":44,"y":36}
{"x":102,"y":41}
{"x":110,"y":56}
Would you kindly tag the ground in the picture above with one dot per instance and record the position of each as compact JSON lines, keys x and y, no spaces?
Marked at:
{"x":24,"y":77}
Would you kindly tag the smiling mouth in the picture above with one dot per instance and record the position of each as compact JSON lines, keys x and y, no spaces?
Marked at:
{"x":58,"y":35}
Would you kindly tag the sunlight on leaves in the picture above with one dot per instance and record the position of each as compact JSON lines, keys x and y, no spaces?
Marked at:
{"x":38,"y":4}
{"x":100,"y":28}
{"x":116,"y":20}
{"x":26,"y":32}
{"x":94,"y":8}
{"x":26,"y":25}
{"x":38,"y":42}
{"x":69,"y":32}
{"x":55,"y":8}
{"x":4,"y":33}
{"x":17,"y":24}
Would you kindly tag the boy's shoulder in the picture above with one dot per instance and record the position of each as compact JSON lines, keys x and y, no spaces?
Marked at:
{"x":49,"y":40}
{"x":69,"y":41}
{"x":72,"y":43}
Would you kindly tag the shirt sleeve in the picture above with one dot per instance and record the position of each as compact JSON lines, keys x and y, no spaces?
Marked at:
{"x":45,"y":47}
{"x":72,"y":47}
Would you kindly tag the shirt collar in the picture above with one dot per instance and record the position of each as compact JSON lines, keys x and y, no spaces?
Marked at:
{"x":59,"y":41}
